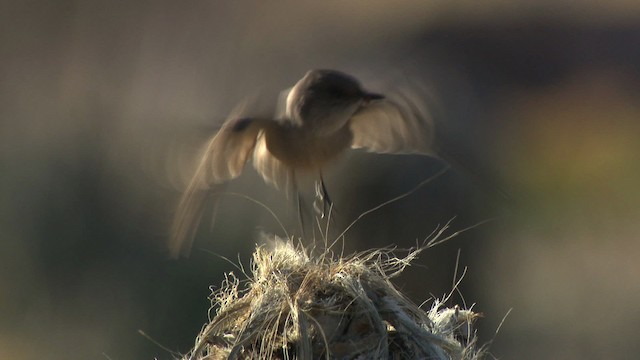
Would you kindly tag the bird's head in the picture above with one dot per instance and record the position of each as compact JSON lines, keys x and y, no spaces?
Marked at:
{"x":326,"y":99}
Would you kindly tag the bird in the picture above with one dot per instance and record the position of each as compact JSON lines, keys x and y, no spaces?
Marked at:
{"x":325,"y":113}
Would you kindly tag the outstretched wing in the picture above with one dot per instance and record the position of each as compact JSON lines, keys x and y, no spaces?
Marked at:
{"x":223,"y":159}
{"x":282,"y":104}
{"x":398,"y":124}
{"x":272,"y":170}
{"x":228,"y":152}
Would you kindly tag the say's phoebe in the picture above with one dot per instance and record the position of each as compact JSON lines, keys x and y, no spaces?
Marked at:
{"x":326,"y":113}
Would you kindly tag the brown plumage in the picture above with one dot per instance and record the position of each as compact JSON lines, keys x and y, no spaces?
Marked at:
{"x":326,"y":113}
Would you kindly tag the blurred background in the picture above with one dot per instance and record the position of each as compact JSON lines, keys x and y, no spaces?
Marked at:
{"x":103,"y":106}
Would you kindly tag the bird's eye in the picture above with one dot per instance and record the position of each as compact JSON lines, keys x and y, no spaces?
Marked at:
{"x":337,"y":92}
{"x":342,"y":92}
{"x":240,"y":124}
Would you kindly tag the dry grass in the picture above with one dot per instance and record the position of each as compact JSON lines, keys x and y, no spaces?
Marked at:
{"x":298,"y":306}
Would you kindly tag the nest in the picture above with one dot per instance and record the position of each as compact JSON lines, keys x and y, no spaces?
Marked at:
{"x":294,"y":306}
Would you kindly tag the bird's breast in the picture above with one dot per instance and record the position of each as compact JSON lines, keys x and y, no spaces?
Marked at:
{"x":301,"y":149}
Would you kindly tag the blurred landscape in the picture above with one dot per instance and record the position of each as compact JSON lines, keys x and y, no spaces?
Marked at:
{"x":104,"y":105}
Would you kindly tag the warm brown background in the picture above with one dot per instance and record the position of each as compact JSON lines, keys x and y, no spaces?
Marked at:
{"x":102,"y":102}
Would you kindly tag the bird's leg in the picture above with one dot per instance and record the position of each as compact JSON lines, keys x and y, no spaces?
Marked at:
{"x":299,"y":203}
{"x":327,"y":200}
{"x":322,"y":195}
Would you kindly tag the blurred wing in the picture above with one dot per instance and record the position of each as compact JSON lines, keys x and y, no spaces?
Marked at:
{"x":284,"y":108}
{"x":187,"y":218}
{"x":223,"y":159}
{"x":394,"y":125}
{"x":228,"y":152}
{"x":281,"y":106}
{"x":270,"y":168}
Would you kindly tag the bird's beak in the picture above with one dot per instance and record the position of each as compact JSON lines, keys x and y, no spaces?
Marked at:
{"x":369,"y":97}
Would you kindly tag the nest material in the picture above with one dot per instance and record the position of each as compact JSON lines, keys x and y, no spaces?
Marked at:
{"x":297,"y":307}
